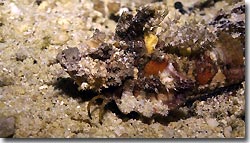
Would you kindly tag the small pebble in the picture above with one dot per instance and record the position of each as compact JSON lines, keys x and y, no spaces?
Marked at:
{"x":212,"y":122}
{"x":7,"y":126}
{"x":228,"y":131}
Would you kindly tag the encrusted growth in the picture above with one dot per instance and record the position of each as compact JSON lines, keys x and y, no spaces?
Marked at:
{"x":155,"y":75}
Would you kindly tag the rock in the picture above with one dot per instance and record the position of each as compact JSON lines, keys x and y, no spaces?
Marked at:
{"x":212,"y":122}
{"x":7,"y":126}
{"x":228,"y":131}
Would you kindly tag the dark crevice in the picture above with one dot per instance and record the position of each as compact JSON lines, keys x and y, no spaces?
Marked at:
{"x":204,"y":95}
{"x":114,"y":17}
{"x":70,"y":88}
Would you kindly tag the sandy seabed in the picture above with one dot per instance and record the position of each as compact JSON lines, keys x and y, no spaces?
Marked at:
{"x":38,"y":99}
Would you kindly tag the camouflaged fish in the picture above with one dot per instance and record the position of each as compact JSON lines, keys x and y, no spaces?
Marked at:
{"x":141,"y":72}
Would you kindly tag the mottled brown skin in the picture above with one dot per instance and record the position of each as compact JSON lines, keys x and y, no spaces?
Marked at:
{"x":129,"y":39}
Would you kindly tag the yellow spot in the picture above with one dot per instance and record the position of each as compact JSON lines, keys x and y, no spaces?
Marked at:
{"x":150,"y":42}
{"x":185,"y":51}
